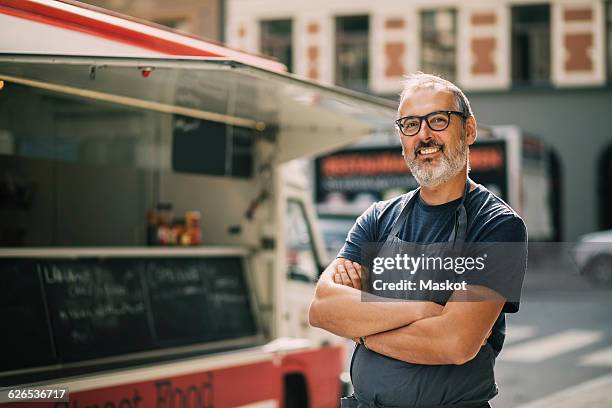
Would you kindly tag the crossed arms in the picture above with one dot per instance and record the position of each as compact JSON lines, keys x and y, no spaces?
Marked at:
{"x":417,"y":332}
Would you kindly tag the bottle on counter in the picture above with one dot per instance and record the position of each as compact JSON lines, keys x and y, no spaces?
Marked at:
{"x":164,"y":224}
{"x":193,"y":232}
{"x":152,"y":223}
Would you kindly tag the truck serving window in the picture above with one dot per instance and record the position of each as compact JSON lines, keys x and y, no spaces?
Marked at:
{"x":82,"y":172}
{"x":72,"y":129}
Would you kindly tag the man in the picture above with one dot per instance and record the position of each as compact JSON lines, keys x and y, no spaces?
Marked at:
{"x":423,"y":353}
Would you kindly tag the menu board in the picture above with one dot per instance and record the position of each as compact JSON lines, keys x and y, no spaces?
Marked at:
{"x":69,"y":310}
{"x":26,"y":334}
{"x":97,"y":307}
{"x":210,"y":296}
{"x":213,"y":148}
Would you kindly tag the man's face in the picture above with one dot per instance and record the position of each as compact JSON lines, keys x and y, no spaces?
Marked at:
{"x":434,"y":157}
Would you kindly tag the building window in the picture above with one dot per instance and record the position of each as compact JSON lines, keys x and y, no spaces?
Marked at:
{"x":179,"y":24}
{"x":438,"y":42}
{"x":609,"y":35}
{"x":531,"y":45}
{"x":276,"y":41}
{"x":352,"y":52}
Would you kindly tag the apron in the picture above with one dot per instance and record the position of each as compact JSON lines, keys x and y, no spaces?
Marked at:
{"x":353,"y":402}
{"x":375,"y":365}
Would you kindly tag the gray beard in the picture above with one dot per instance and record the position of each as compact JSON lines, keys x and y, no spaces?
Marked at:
{"x":449,"y":166}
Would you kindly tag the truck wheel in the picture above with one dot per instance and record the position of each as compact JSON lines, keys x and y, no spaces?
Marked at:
{"x":599,"y":270}
{"x":296,"y":395}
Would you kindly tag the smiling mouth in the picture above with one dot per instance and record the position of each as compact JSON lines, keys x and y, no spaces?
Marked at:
{"x":428,"y":151}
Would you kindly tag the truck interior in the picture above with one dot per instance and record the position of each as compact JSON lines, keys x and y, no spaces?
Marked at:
{"x":90,"y":146}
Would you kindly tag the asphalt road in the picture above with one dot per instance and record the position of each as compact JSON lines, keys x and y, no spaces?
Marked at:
{"x":559,"y":342}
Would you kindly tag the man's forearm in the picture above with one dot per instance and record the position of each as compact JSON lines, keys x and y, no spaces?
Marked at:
{"x":454,"y":337}
{"x":341,"y":310}
{"x":422,"y":342}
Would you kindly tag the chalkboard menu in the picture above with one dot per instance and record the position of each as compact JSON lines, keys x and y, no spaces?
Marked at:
{"x":213,"y":148}
{"x":211,"y":300}
{"x":96,"y":307}
{"x":60,"y":311}
{"x":26,"y":338}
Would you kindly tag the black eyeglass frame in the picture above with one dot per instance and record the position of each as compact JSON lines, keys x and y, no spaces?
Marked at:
{"x":420,"y":118}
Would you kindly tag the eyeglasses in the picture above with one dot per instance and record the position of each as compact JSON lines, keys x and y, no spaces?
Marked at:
{"x":438,"y":121}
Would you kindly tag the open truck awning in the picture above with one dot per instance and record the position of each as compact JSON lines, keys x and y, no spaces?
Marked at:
{"x":69,"y":27}
{"x":305,"y":118}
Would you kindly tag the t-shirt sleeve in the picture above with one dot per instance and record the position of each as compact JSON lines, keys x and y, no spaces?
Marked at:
{"x":504,"y":246}
{"x":364,"y":230}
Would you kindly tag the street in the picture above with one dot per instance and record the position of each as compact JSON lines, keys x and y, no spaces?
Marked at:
{"x":561,"y":339}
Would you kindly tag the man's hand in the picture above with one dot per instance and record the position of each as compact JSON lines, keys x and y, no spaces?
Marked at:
{"x":348,"y":273}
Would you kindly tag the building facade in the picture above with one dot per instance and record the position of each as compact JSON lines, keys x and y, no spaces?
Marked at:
{"x":544,"y":66}
{"x":203,"y":18}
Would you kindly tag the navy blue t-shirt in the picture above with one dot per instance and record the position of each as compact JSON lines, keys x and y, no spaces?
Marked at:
{"x":490,"y":219}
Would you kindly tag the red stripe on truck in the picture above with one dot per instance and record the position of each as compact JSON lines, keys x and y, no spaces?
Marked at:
{"x":75,"y":22}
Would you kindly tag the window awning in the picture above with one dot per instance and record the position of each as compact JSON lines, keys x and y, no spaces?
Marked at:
{"x":305,"y":118}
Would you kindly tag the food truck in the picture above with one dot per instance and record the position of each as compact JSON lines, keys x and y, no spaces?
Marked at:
{"x":157,"y":249}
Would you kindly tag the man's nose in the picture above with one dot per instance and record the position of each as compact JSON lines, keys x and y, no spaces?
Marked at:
{"x":425,"y":133}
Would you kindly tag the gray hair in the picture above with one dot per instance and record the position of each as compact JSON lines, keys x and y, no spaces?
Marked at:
{"x":420,"y":80}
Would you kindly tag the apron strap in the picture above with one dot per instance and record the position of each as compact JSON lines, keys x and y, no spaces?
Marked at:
{"x":459,"y":232}
{"x":460,"y":227}
{"x":410,"y":198}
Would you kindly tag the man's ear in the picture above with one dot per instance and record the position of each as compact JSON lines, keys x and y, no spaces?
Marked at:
{"x":471,"y":132}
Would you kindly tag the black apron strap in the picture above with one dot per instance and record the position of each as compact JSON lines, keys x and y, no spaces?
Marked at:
{"x":411,"y":196}
{"x":459,"y":232}
{"x":460,"y":227}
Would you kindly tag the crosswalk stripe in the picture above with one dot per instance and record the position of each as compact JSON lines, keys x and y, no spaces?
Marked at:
{"x":592,"y":393}
{"x":518,"y":333}
{"x":601,"y":357}
{"x":550,"y":346}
